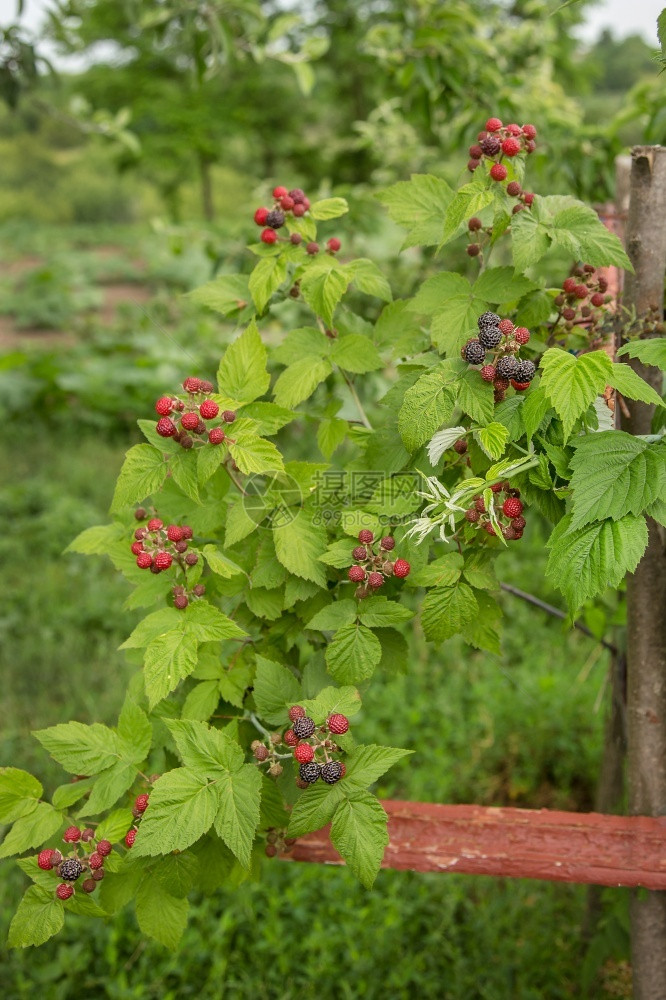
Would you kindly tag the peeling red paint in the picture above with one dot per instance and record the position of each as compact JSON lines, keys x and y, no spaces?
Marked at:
{"x":515,"y":843}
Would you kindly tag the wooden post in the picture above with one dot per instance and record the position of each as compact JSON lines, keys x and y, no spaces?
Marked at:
{"x":646,"y":588}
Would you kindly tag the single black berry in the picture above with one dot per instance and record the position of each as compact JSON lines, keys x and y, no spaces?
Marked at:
{"x":331,"y":772}
{"x":310,"y":772}
{"x":506,"y":367}
{"x":303,"y":727}
{"x":488,"y":321}
{"x":70,"y":869}
{"x":490,"y":337}
{"x":473,"y":353}
{"x":526,"y":371}
{"x":275,"y":219}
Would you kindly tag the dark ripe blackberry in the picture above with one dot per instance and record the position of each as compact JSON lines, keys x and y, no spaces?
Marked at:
{"x":309,"y":772}
{"x":331,"y":772}
{"x":473,"y":353}
{"x":490,"y":145}
{"x":526,"y":371}
{"x":506,"y":367}
{"x":488,"y":320}
{"x":490,"y":337}
{"x":70,"y":869}
{"x":275,"y":219}
{"x":303,"y":727}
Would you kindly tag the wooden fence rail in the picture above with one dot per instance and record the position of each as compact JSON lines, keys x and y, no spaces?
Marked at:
{"x":515,"y":843}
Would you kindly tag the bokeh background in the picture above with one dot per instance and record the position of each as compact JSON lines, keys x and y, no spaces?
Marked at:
{"x":136,"y":139}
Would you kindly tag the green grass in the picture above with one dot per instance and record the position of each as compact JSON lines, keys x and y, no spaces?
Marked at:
{"x":520,"y":729}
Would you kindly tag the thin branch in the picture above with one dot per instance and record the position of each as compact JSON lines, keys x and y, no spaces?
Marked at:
{"x":556,"y":613}
{"x":359,"y":404}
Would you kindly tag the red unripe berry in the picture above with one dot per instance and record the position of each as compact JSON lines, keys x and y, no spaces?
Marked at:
{"x":518,"y":522}
{"x":493,"y":124}
{"x":206,"y":386}
{"x":136,"y":548}
{"x":528,"y":198}
{"x":472,"y":515}
{"x":192,"y":384}
{"x":95,"y":860}
{"x":260,"y":216}
{"x":506,"y":326}
{"x":64,"y":891}
{"x":304,"y":753}
{"x":501,"y":383}
{"x":141,"y":803}
{"x":343,"y":770}
{"x":209,"y":409}
{"x":187,"y":532}
{"x":460,"y":446}
{"x":104,"y":848}
{"x":401,"y":568}
{"x":496,"y":488}
{"x":286,"y":203}
{"x":44,"y":859}
{"x":71,"y":835}
{"x":513,"y":188}
{"x":359,"y":552}
{"x":522,"y":334}
{"x":356,"y":574}
{"x":181,"y":601}
{"x":130,"y":837}
{"x":165,"y":427}
{"x":489,"y":528}
{"x":365,"y":537}
{"x":514,"y":129}
{"x":279,"y":192}
{"x":163,"y":406}
{"x":268,"y":236}
{"x":581,"y":291}
{"x":144,"y":560}
{"x":333,"y":244}
{"x":517,"y":208}
{"x":498,"y":172}
{"x":520,"y":386}
{"x":174,"y":533}
{"x":597,"y":299}
{"x":305,"y":202}
{"x":530,"y":146}
{"x":189,"y":421}
{"x":511,"y":147}
{"x":229,"y":416}
{"x":191,"y":558}
{"x":529,"y":131}
{"x":216,"y":436}
{"x":480,"y":505}
{"x":312,"y":248}
{"x":475,"y":152}
{"x":569,"y":314}
{"x":472,"y":165}
{"x":296,"y":712}
{"x":375,"y":580}
{"x":296,"y":239}
{"x":473,"y":250}
{"x":488,"y":373}
{"x":338,"y":723}
{"x":474,"y":224}
{"x":290,"y":738}
{"x":155,"y":524}
{"x":481,"y":135}
{"x":299,"y":209}
{"x":388,"y":543}
{"x":163,"y":560}
{"x":512,"y":507}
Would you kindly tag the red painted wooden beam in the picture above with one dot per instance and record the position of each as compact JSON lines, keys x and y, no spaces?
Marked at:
{"x":515,"y":843}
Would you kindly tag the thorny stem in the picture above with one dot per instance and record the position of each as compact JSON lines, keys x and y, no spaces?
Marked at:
{"x":556,"y":613}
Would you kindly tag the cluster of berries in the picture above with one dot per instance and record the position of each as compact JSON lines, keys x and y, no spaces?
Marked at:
{"x":87,"y":856}
{"x":277,"y":842}
{"x":372,"y":567}
{"x":583,"y":298}
{"x":476,"y":227}
{"x":140,"y":806}
{"x":497,"y":141}
{"x":306,"y":742}
{"x":292,"y":202}
{"x":509,"y":516}
{"x":156,"y":546}
{"x":192,"y":414}
{"x":504,"y":340}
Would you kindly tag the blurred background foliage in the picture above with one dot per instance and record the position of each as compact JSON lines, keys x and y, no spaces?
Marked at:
{"x":127,"y":181}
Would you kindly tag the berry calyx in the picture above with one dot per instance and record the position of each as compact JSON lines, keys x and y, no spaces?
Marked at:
{"x":130,"y":837}
{"x":401,"y":568}
{"x":260,"y":216}
{"x":296,"y":712}
{"x":356,"y":574}
{"x":512,"y":507}
{"x":72,"y":835}
{"x":209,"y":409}
{"x":269,"y":236}
{"x":304,"y":753}
{"x":64,"y":891}
{"x":338,"y":723}
{"x":165,"y":427}
{"x":366,"y":537}
{"x":498,"y":172}
{"x":45,"y":859}
{"x":141,"y":803}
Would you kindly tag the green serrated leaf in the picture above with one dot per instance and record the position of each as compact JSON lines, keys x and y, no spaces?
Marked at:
{"x":183,"y":805}
{"x":299,"y":545}
{"x":237,"y":818}
{"x":492,"y":439}
{"x":19,"y":792}
{"x":276,"y":689}
{"x":630,"y":384}
{"x":160,"y":915}
{"x":380,"y":612}
{"x":334,"y":616}
{"x":242,"y":375}
{"x":650,"y":352}
{"x":299,"y":380}
{"x":427,"y":405}
{"x":571,"y":383}
{"x":267,"y":276}
{"x":359,"y":833}
{"x":418,"y":205}
{"x":39,"y":916}
{"x":615,"y":474}
{"x":353,"y":654}
{"x":447,"y":610}
{"x":143,"y":472}
{"x":328,"y":208}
